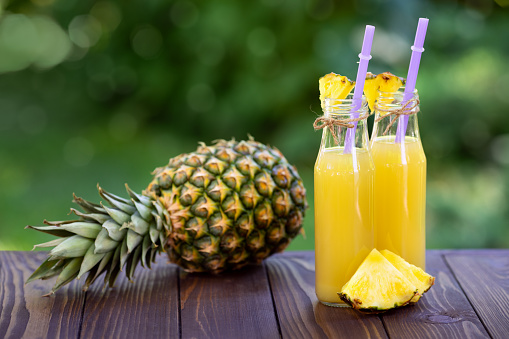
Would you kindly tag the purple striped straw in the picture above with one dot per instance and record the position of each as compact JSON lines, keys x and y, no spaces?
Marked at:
{"x":364,"y":57}
{"x":411,"y":79}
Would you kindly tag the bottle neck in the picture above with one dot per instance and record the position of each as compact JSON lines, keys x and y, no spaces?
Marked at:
{"x":391,"y":125}
{"x":336,"y":135}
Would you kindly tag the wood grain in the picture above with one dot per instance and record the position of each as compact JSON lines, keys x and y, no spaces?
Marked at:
{"x":243,"y":303}
{"x":236,"y":304}
{"x":292,"y":279}
{"x":24,"y":313}
{"x":443,"y":312}
{"x":144,"y":308}
{"x":484,"y":278}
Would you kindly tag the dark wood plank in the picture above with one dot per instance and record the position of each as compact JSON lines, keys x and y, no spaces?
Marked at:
{"x":292,"y":279}
{"x":145,"y":308}
{"x":443,"y":312}
{"x":24,"y":313}
{"x":236,"y":304}
{"x":485,"y":280}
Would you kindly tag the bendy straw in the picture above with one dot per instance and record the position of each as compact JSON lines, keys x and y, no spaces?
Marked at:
{"x":411,"y":79}
{"x":364,"y":57}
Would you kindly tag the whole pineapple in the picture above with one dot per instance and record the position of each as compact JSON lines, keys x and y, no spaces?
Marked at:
{"x":221,"y":207}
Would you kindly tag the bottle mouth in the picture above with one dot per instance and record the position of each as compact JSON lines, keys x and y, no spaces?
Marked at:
{"x":344,"y":106}
{"x":400,"y":90}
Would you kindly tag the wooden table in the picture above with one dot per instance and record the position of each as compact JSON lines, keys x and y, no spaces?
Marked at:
{"x":469,"y":300}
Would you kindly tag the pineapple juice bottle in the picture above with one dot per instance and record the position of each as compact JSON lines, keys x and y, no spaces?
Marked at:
{"x":343,"y":193}
{"x":400,"y":183}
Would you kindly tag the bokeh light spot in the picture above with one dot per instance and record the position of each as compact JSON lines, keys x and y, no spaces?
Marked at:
{"x":389,"y":47}
{"x":147,"y":42}
{"x":500,"y":149}
{"x":54,"y":43}
{"x":85,"y":31}
{"x":18,"y":42}
{"x":261,"y":41}
{"x":108,"y":14}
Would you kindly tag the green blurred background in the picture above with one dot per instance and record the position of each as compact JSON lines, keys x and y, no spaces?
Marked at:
{"x":105,"y":91}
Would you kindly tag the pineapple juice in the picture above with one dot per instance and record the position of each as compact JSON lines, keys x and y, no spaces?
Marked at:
{"x":343,"y":218}
{"x":400,"y":197}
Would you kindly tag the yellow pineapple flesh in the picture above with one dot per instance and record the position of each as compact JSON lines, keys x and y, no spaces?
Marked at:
{"x":422,"y":280}
{"x":371,"y":85}
{"x":334,"y":86}
{"x":383,"y":82}
{"x":377,"y":286}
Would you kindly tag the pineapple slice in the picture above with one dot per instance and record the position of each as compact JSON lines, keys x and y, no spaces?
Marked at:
{"x":334,"y":86}
{"x":377,"y":286}
{"x":383,"y":82}
{"x":422,"y":280}
{"x":371,"y":89}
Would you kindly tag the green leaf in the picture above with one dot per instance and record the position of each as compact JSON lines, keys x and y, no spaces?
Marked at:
{"x":42,"y":270}
{"x":68,"y":274}
{"x":117,"y":215}
{"x":114,"y":230}
{"x":72,"y":247}
{"x":53,"y":230}
{"x":90,"y":260}
{"x":85,"y":229}
{"x":103,"y":243}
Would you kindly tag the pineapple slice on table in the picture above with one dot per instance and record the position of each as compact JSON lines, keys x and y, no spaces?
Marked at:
{"x":422,"y":280}
{"x":334,"y":86}
{"x":383,"y":82}
{"x":377,"y":286}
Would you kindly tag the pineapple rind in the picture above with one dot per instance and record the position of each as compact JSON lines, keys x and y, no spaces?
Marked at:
{"x":377,"y":286}
{"x":252,"y":203}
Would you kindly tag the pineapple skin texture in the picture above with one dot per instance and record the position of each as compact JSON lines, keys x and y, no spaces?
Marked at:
{"x":228,"y":205}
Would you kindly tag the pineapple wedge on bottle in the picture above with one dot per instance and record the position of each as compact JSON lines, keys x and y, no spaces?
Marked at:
{"x":334,"y":86}
{"x":422,"y":280}
{"x":383,"y":82}
{"x":377,"y":286}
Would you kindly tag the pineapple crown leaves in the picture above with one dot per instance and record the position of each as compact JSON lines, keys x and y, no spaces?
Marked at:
{"x":107,"y":238}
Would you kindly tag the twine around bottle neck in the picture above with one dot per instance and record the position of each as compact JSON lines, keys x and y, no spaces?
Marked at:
{"x":329,"y":122}
{"x":411,"y":107}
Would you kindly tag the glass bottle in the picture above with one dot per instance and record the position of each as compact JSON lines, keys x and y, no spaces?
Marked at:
{"x":400,"y":178}
{"x":343,"y":194}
